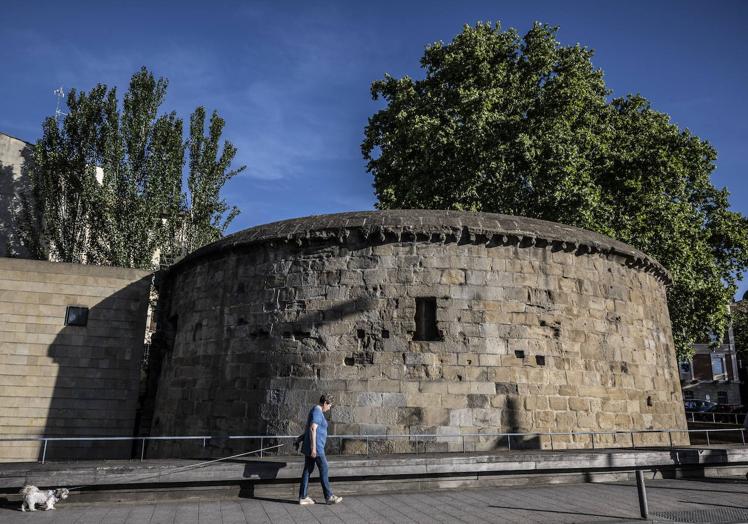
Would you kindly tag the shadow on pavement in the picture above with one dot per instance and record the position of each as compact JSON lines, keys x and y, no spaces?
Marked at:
{"x":520,"y":508}
{"x":10,"y":505}
{"x":279,"y":501}
{"x":711,"y":504}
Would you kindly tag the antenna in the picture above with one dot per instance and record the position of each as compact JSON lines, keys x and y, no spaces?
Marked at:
{"x":60,"y":94}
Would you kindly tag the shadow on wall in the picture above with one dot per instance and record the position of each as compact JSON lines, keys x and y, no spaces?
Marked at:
{"x":15,"y":180}
{"x":227,"y":410}
{"x":98,"y":374}
{"x":233,"y":401}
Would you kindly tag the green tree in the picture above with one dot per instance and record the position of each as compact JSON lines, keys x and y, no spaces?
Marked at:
{"x":107,"y":183}
{"x":209,"y":215}
{"x":740,"y":325}
{"x":524,"y":126}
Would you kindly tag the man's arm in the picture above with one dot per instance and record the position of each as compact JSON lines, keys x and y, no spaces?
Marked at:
{"x":313,"y":439}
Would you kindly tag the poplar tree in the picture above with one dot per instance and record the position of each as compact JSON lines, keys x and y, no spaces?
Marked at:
{"x":107,"y":181}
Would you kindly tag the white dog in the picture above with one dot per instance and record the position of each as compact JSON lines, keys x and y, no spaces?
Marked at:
{"x":33,"y":496}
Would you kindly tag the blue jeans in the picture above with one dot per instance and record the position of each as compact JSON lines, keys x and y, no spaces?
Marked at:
{"x":309,"y":462}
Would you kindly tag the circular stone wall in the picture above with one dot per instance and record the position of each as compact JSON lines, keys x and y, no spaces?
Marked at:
{"x":529,"y":326}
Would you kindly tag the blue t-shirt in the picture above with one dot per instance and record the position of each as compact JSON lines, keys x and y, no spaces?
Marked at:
{"x":317,"y":417}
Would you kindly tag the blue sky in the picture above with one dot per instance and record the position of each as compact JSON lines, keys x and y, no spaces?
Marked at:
{"x":292,"y":78}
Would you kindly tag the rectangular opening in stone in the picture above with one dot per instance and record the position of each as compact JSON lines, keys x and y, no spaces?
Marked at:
{"x":426,"y":328}
{"x":76,"y":316}
{"x":519,"y":353}
{"x":540,"y":360}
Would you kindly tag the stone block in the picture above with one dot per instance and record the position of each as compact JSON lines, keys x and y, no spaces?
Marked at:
{"x":578,"y":404}
{"x":393,"y":400}
{"x":369,"y":398}
{"x":453,"y":276}
{"x":559,"y":403}
{"x":454,"y":401}
{"x":435,"y":416}
{"x":384,"y":385}
{"x":460,"y":417}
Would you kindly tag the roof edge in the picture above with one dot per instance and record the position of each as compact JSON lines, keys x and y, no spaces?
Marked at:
{"x":433,"y":225}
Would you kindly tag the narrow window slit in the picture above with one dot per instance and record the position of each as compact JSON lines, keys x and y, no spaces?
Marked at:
{"x":426,"y":328}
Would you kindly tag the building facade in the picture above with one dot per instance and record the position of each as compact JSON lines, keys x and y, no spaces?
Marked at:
{"x":15,"y":164}
{"x":713,"y":374}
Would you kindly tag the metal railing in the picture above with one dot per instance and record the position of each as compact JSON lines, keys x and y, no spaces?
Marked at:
{"x":715,"y":417}
{"x":419,"y":440}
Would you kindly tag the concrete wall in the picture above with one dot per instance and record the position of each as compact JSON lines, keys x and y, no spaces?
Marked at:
{"x":15,"y":162}
{"x":58,"y":380}
{"x":536,"y":334}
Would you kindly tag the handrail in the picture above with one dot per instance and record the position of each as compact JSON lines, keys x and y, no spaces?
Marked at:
{"x":704,"y":416}
{"x":417,"y":437}
{"x":372,"y":435}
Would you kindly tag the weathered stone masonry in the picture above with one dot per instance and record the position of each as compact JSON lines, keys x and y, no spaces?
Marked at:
{"x":539,"y":327}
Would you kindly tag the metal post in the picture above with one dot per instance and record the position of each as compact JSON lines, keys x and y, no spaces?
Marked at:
{"x":631,"y":433}
{"x":142,"y":449}
{"x":593,"y":441}
{"x":509,"y":441}
{"x":44,"y":452}
{"x":204,"y":442}
{"x":707,"y":438}
{"x":642,"y":491}
{"x":551,"y":441}
{"x":463,"y":443}
{"x":670,"y":436}
{"x":262,"y":445}
{"x":367,"y":446}
{"x":742,"y":434}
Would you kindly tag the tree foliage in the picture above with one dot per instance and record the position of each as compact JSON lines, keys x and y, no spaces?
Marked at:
{"x":740,"y":325}
{"x":107,"y":182}
{"x":525,"y":126}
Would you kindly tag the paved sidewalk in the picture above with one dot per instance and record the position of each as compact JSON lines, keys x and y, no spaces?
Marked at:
{"x":712,"y":500}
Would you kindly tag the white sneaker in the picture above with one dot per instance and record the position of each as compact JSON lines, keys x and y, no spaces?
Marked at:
{"x":334,"y":500}
{"x":306,"y":501}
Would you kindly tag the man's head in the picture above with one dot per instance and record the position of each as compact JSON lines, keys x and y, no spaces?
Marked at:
{"x":326,"y":402}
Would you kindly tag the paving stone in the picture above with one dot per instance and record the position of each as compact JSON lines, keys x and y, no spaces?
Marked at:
{"x":704,"y":500}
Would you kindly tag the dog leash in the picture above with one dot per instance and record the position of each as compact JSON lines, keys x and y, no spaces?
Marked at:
{"x":176,"y":469}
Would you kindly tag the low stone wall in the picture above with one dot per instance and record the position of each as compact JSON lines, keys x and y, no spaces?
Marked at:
{"x":59,"y":380}
{"x":539,"y":328}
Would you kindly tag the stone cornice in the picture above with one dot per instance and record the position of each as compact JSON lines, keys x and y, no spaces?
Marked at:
{"x":406,"y":225}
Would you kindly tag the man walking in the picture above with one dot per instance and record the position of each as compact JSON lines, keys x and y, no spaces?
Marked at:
{"x":313,"y":448}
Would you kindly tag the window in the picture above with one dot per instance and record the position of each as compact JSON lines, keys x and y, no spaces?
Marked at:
{"x":426,"y":319}
{"x":717,"y":365}
{"x":721,"y":397}
{"x":76,"y":316}
{"x":688,"y":395}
